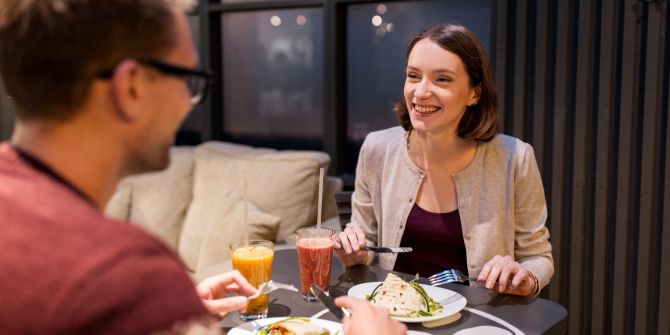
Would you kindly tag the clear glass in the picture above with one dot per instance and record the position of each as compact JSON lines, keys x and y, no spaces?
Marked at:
{"x":273,"y":77}
{"x":377,"y":38}
{"x":315,"y":253}
{"x":254,"y":261}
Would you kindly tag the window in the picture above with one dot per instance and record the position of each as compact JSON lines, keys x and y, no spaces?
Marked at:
{"x":273,"y":78}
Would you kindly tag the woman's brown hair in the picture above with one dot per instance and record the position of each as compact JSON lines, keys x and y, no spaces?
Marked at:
{"x":480,"y":121}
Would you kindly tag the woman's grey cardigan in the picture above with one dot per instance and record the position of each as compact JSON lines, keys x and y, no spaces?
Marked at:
{"x":500,"y":200}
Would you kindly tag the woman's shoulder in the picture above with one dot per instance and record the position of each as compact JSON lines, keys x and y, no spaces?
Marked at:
{"x":507,"y":148}
{"x":385,"y":139}
{"x":385,"y":135}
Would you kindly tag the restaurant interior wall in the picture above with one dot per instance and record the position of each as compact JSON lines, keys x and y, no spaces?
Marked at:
{"x":587,"y":83}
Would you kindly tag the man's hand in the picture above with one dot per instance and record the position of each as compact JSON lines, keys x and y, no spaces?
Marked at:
{"x":347,"y":246}
{"x":213,"y":291}
{"x":367,"y":319}
{"x":497,"y":274}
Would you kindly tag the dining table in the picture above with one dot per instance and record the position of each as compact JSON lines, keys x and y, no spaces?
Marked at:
{"x":485,"y":310}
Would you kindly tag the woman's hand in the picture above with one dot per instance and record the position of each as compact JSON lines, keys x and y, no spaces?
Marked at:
{"x":348,"y":246}
{"x":368,"y":319}
{"x":505,"y":275}
{"x":213,"y":291}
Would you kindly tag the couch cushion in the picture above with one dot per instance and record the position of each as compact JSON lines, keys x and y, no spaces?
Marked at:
{"x":119,"y":204}
{"x":215,"y":221}
{"x":160,"y":199}
{"x":281,"y":183}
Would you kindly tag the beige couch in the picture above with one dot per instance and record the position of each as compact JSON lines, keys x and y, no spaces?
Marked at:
{"x":196,"y":206}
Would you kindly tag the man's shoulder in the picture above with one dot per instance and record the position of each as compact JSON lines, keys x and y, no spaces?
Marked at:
{"x":94,"y":272}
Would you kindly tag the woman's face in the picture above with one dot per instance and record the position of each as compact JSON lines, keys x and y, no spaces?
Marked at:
{"x":437,"y":88}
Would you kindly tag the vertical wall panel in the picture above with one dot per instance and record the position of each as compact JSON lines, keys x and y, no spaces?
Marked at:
{"x":500,"y":57}
{"x":587,"y":84}
{"x":538,"y":41}
{"x":663,"y":314}
{"x":627,"y":80}
{"x":518,"y":92}
{"x":558,"y":111}
{"x":604,"y":62}
{"x":578,"y":151}
{"x":650,"y":151}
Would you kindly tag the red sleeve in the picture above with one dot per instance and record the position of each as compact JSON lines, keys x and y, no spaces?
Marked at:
{"x":138,"y":293}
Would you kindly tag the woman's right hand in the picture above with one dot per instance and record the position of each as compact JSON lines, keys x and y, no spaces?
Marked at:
{"x":348,"y":246}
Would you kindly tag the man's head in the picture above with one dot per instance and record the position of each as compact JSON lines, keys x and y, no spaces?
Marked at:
{"x":51,"y":50}
{"x":60,"y":57}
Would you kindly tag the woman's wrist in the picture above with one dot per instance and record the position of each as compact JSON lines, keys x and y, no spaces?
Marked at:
{"x":535,"y":283}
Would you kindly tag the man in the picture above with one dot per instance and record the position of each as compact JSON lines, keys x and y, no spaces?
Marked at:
{"x":100,"y":89}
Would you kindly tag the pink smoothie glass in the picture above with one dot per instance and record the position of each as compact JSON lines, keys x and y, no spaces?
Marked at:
{"x":315,"y":253}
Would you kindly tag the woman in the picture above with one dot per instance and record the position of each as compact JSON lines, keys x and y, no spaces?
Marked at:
{"x":445,"y":183}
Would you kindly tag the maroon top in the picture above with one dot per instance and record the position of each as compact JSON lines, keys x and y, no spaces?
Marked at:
{"x":67,"y":269}
{"x":437,"y":240}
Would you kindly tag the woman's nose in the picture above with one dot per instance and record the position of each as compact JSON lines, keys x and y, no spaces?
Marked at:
{"x":422,"y":90}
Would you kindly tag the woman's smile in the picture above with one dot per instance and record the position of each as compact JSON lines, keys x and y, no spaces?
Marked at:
{"x":425,"y":109}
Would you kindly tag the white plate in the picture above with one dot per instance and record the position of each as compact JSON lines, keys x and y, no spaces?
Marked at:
{"x":247,"y":329}
{"x":436,"y":293}
{"x":489,"y":330}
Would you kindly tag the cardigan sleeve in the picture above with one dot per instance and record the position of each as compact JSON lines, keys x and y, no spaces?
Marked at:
{"x":532,"y":248}
{"x":362,"y":211}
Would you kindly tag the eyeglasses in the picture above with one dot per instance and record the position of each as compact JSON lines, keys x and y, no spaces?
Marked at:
{"x":197,"y":80}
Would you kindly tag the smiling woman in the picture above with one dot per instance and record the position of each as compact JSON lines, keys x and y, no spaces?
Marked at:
{"x":446,"y":183}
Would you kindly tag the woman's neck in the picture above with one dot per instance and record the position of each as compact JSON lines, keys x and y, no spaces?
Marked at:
{"x":439,"y":149}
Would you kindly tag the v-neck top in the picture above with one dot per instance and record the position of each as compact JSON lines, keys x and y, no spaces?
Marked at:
{"x":436,"y":240}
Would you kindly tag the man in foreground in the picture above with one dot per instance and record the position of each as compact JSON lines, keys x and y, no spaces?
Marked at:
{"x":100,"y":89}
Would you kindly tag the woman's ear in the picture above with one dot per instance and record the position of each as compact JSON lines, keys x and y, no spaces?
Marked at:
{"x":475,"y":95}
{"x":127,"y":89}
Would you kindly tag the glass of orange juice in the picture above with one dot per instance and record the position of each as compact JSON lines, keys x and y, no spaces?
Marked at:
{"x":254,"y":261}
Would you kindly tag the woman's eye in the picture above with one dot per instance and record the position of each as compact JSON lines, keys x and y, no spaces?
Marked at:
{"x":412,"y":75}
{"x":444,"y":79}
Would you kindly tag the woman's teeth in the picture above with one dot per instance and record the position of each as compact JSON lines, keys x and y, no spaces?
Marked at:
{"x":426,"y":109}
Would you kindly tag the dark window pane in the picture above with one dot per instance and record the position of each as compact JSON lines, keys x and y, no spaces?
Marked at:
{"x":377,"y":37}
{"x":194,"y":24}
{"x":272,"y":77}
{"x":191,"y":131}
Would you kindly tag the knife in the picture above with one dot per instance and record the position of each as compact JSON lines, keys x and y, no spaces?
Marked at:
{"x":386,"y":249}
{"x":329,"y":302}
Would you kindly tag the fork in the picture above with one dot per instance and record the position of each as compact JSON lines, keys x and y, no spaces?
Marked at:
{"x":452,"y":298}
{"x":257,"y":326}
{"x":270,"y":286}
{"x":454,"y":275}
{"x":449,"y":276}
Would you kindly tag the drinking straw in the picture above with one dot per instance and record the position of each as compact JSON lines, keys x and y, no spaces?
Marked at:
{"x":318,"y":212}
{"x":246,"y":215}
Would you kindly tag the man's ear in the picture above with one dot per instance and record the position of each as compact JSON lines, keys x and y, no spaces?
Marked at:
{"x":126,"y":84}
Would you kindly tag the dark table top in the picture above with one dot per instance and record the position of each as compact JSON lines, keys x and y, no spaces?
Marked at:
{"x":528,"y":315}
